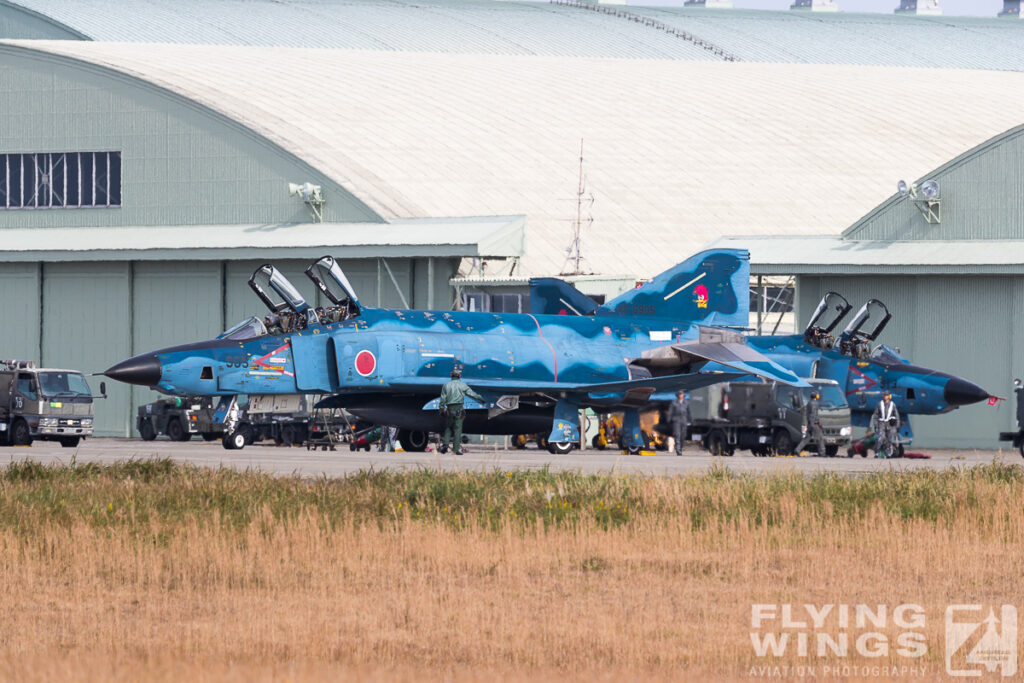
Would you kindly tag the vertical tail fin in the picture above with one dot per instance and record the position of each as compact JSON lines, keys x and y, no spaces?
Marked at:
{"x":712,"y":287}
{"x":551,"y":296}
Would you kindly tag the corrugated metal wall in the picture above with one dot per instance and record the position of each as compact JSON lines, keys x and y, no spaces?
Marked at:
{"x":962,"y":325}
{"x":980,"y":193}
{"x":86,"y":326}
{"x":181,"y":165}
{"x":17,"y":23}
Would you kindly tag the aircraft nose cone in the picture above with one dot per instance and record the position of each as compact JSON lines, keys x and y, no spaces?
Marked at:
{"x":145,"y":370}
{"x":960,"y":392}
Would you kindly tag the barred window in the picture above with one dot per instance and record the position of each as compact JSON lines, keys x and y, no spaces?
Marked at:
{"x":60,"y":180}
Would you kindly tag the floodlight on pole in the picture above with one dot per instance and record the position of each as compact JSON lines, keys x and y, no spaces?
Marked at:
{"x":312,"y":196}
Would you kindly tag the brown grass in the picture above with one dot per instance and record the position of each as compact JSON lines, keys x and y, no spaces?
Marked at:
{"x":313,"y":596}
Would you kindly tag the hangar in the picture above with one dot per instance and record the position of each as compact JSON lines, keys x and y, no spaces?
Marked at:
{"x":431,"y":152}
{"x":950,"y":270}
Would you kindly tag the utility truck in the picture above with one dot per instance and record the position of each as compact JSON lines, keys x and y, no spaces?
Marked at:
{"x":44,"y":403}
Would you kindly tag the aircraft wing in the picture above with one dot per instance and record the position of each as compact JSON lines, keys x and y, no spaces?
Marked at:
{"x":690,"y":380}
{"x":730,"y":354}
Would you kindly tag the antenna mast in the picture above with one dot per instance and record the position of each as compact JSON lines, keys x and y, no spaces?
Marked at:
{"x":574,"y":254}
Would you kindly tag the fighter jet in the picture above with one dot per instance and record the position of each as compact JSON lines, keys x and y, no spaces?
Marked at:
{"x":866,"y":373}
{"x":535,"y":372}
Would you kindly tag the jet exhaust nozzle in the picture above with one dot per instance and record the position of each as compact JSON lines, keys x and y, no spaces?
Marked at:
{"x":144,"y":370}
{"x":960,"y":392}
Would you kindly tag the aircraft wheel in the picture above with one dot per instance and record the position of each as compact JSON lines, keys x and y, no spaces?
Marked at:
{"x":176,"y":432}
{"x":783,"y":443}
{"x":600,"y":444}
{"x":413,"y":440}
{"x":21,"y":435}
{"x":235,"y":440}
{"x":69,"y":441}
{"x":559,"y":447}
{"x":518,"y":441}
{"x":715,"y":442}
{"x":146,"y":430}
{"x":831,"y":451}
{"x":899,"y":451}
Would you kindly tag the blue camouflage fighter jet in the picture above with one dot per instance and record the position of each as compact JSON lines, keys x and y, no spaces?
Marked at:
{"x":535,"y":371}
{"x":865,"y":372}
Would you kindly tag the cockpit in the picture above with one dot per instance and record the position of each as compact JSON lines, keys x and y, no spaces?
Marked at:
{"x":289,"y":311}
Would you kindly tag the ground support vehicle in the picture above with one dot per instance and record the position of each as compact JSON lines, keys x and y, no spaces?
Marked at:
{"x":1017,"y":437}
{"x":44,"y":403}
{"x":766,"y":418}
{"x":180,"y":418}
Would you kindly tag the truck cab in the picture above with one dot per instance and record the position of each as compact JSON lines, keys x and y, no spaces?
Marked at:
{"x":44,"y":403}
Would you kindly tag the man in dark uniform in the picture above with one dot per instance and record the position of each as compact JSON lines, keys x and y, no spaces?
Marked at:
{"x":453,"y":395}
{"x":812,"y":420}
{"x":679,"y":419}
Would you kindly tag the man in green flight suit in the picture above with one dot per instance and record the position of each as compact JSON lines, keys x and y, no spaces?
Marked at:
{"x":453,"y":395}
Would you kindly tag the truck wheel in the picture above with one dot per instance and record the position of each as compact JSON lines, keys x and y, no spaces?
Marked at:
{"x":600,"y":444}
{"x":21,"y":435}
{"x":783,"y":443}
{"x":175,"y":431}
{"x":559,"y":447}
{"x":69,"y":441}
{"x":288,"y":435}
{"x":832,"y":451}
{"x":210,"y":436}
{"x":715,"y":442}
{"x":542,"y":442}
{"x":146,"y":430}
{"x":413,"y":440}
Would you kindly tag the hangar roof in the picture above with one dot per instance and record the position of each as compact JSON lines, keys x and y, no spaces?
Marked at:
{"x":677,"y":153}
{"x":488,"y":237}
{"x":817,"y":255}
{"x":544,"y":28}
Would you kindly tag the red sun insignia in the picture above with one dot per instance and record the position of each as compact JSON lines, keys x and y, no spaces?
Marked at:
{"x":366,"y":363}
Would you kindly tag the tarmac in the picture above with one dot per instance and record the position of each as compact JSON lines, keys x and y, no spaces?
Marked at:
{"x":309,"y":463}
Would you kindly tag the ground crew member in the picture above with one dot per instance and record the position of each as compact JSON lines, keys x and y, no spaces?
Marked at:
{"x":679,"y":419}
{"x":453,"y":395}
{"x":812,"y":420}
{"x":887,"y":425}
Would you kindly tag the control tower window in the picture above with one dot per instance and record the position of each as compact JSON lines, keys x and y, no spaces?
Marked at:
{"x":60,"y":180}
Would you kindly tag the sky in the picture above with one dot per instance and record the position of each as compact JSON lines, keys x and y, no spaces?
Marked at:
{"x":983,"y":8}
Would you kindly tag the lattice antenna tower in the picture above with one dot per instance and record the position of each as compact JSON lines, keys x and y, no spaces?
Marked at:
{"x":574,"y":261}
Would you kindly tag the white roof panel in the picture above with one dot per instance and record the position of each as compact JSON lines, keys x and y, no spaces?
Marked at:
{"x":677,"y":152}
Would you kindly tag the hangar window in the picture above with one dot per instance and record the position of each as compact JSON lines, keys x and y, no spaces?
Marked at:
{"x":60,"y":180}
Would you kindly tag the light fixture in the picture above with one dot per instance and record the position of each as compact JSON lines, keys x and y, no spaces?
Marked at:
{"x":930,"y":204}
{"x":312,"y":196}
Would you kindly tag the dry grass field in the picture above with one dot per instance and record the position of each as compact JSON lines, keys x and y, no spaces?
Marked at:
{"x":153,"y":571}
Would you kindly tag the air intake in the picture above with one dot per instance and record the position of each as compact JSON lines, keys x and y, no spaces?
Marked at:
{"x":922,"y":7}
{"x":1011,"y":9}
{"x":815,"y":5}
{"x":710,"y":4}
